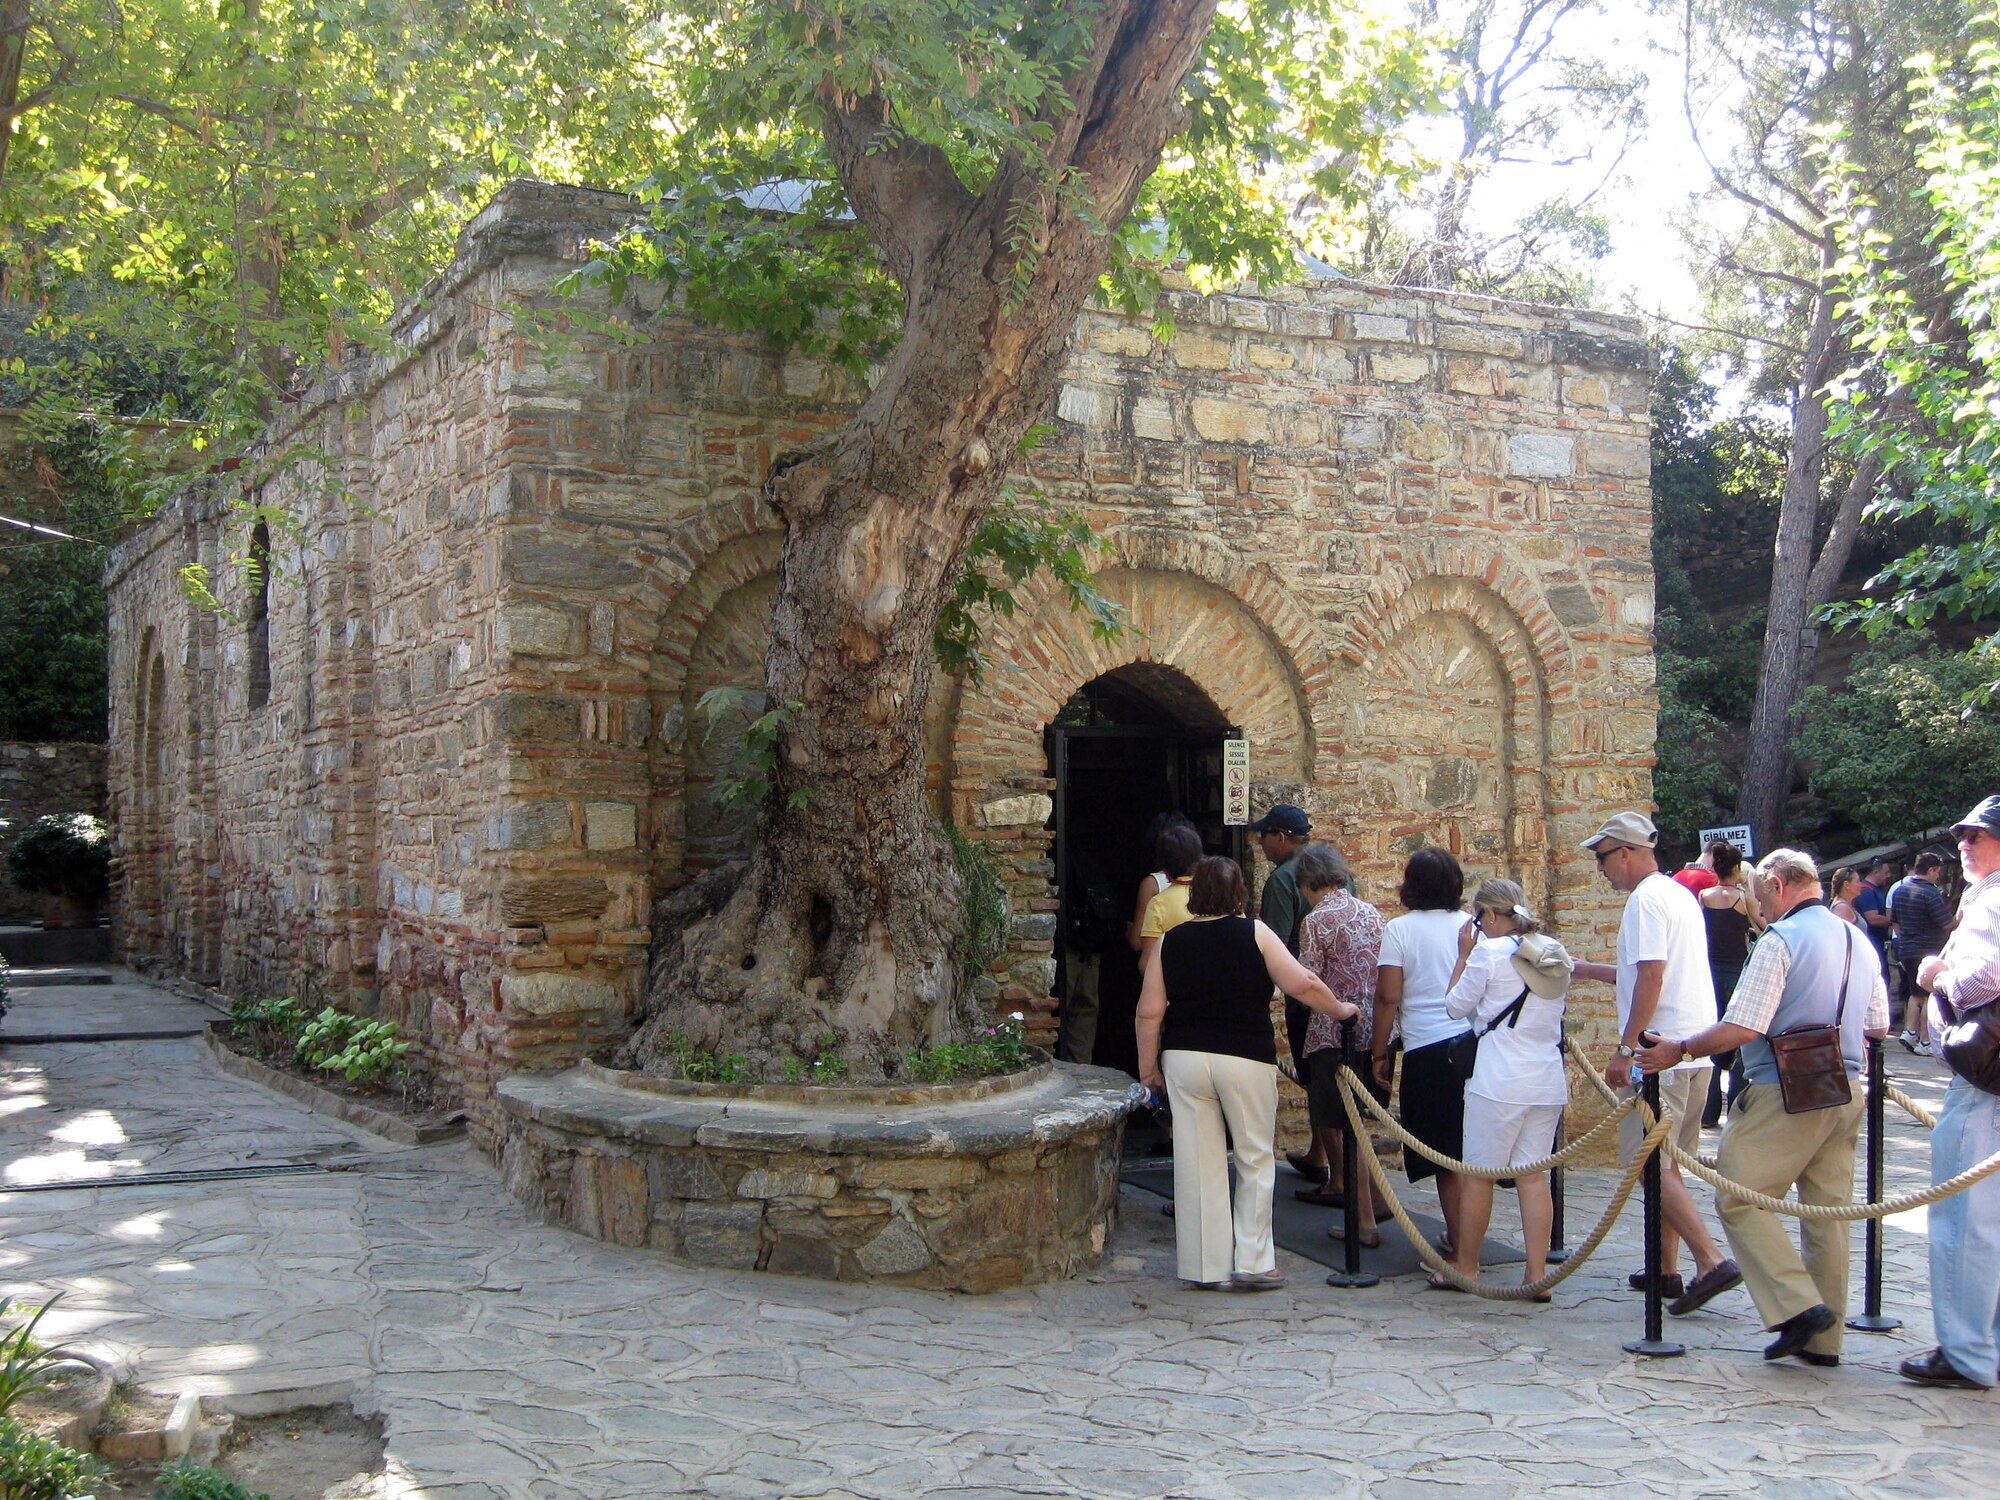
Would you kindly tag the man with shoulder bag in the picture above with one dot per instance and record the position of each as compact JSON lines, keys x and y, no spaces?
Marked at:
{"x":1809,"y":998}
{"x":1963,"y":981}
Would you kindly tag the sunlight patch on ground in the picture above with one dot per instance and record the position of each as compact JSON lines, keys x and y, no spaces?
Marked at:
{"x":141,"y":1227}
{"x":64,"y":1166}
{"x":94,"y":1127}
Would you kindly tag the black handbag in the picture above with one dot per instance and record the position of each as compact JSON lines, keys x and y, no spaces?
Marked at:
{"x":1970,"y":1043}
{"x":1812,"y":1072}
{"x":1461,"y":1053}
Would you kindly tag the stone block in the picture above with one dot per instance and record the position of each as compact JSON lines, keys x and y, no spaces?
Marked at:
{"x":1399,"y":369}
{"x":532,"y":825}
{"x":725,"y":1235}
{"x":1380,"y":329}
{"x":544,"y":561}
{"x":1036,"y":975}
{"x":1621,"y":457}
{"x":1362,"y":434}
{"x":1428,"y":441}
{"x":1269,"y":356}
{"x":1230,"y":421}
{"x":526,"y":716}
{"x":1086,"y":406}
{"x":547,"y":994}
{"x":1033,"y":927}
{"x":1031,"y":809}
{"x":1198,"y":351}
{"x":535,"y":630}
{"x":555,"y":898}
{"x":1541,"y":455}
{"x":684,"y":1174}
{"x":1575,"y":605}
{"x":622,"y":1208}
{"x":1123,"y":339}
{"x":804,"y":1255}
{"x":610,"y":825}
{"x":767,"y":1183}
{"x":1153,"y":418}
{"x":897,"y":1251}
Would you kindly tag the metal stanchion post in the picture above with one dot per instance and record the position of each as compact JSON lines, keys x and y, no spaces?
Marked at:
{"x":1871,"y":1319}
{"x":1557,"y":1251}
{"x":1351,"y":1169}
{"x":1654,"y":1343}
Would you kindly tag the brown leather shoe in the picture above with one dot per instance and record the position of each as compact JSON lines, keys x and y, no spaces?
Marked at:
{"x":1300,"y":1163}
{"x":1934,"y":1369}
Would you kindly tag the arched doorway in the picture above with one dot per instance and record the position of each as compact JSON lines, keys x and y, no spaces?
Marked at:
{"x":1128,"y":745}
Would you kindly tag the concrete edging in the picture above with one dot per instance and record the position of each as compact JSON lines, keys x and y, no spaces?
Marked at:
{"x":325,"y":1101}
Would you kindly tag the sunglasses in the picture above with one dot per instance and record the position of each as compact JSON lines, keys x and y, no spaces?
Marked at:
{"x":1604,"y":854}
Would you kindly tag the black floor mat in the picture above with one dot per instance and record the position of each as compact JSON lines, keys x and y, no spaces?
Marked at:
{"x":1301,"y":1227}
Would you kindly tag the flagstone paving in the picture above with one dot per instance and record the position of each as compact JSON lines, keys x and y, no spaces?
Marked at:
{"x":510,"y":1358}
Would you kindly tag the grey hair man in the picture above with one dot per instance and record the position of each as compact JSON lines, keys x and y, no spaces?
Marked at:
{"x":1810,"y":969}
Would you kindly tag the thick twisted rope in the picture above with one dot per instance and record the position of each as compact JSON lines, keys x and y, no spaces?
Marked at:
{"x":1916,"y":1111}
{"x":1438,"y":1265}
{"x":1819,"y":1211}
{"x":1452,"y":1164}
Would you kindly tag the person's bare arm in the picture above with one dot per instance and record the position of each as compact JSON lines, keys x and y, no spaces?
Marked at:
{"x":1152,"y":1011}
{"x":1602,"y":973}
{"x":1296,"y":980}
{"x":1388,"y":1001}
{"x":1645,"y":1000}
{"x":1148,"y":889}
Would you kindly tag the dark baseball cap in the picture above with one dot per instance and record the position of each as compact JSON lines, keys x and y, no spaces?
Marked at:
{"x":1986,"y":816}
{"x":1283,"y":818}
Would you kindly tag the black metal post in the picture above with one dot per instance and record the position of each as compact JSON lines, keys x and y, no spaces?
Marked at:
{"x":1351,"y":1168}
{"x":1871,"y":1319}
{"x":1654,"y":1343}
{"x":1557,"y":1252}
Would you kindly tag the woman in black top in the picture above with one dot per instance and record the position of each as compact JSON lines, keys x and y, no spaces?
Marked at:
{"x":1729,"y":912}
{"x":1205,"y":1036}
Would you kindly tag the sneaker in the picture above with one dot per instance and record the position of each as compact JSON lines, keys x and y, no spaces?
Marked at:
{"x":1908,"y":1038}
{"x":1922,"y":1049}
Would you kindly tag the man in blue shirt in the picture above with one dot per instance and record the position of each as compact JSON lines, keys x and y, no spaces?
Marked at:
{"x":1923,"y":921}
{"x":1871,"y":903}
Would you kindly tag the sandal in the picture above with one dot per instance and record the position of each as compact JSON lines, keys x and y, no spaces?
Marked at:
{"x":1445,"y":1246}
{"x":1439,"y":1284}
{"x":1543,"y":1297}
{"x":1369,"y":1240}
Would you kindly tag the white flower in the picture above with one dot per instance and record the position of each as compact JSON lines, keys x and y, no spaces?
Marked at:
{"x":1017,"y":1016}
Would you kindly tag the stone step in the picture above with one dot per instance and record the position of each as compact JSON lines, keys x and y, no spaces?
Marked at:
{"x":54,"y":947}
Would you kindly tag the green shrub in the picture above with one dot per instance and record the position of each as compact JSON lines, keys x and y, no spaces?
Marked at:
{"x":272,"y":1026}
{"x":188,"y":1480}
{"x":38,"y":1468}
{"x":996,"y":1049}
{"x":63,"y":854}
{"x":26,"y":1366}
{"x":365,"y":1052}
{"x":708,"y":1067}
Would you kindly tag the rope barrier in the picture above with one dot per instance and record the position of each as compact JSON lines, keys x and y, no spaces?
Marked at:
{"x":1451,"y":1164}
{"x":1916,"y":1111}
{"x":1427,"y":1253}
{"x":1817,"y":1211}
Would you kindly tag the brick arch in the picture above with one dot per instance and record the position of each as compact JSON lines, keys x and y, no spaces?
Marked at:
{"x":1175,"y":618}
{"x":735,"y":563}
{"x":1528,"y":674}
{"x":718,"y":551}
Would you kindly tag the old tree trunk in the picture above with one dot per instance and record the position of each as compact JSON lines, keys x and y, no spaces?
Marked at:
{"x":847,"y":915}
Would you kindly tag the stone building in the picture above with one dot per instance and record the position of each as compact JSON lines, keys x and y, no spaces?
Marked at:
{"x":436,"y":760}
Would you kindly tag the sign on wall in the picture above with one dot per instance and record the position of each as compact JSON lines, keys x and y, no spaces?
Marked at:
{"x":1235,"y":782}
{"x":1737,"y":834}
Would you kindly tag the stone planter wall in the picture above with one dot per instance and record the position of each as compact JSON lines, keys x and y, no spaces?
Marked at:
{"x":968,"y":1189}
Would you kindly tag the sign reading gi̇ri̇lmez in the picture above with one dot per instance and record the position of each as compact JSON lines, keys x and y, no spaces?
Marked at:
{"x":1235,"y":782}
{"x":1737,"y":834}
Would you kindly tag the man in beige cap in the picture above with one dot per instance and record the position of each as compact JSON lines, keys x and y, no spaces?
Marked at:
{"x":1663,"y":985}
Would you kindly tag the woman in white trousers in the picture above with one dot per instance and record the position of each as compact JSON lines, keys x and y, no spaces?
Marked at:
{"x":1205,"y":1037}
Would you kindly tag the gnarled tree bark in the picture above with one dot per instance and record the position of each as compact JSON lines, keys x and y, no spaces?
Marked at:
{"x":850,"y":908}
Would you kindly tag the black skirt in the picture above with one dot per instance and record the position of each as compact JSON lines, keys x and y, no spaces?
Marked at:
{"x":1433,"y":1107}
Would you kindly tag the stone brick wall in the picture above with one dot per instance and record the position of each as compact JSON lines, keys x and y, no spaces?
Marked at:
{"x":1400,"y":539}
{"x":35,"y":780}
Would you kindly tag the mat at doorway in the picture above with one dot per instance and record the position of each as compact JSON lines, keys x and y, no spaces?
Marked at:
{"x":1301,"y":1227}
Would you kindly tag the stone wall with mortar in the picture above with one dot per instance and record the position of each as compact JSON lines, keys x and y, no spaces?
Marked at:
{"x":35,"y":780}
{"x":1401,"y":539}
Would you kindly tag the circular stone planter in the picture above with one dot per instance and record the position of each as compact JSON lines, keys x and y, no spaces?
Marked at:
{"x":967,"y":1187}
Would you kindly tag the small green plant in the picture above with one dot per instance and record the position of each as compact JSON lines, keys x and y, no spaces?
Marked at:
{"x":698,"y":1066}
{"x":26,"y":1366}
{"x":748,"y":779}
{"x":364,"y":1052}
{"x":33,"y":1467}
{"x":983,"y":895}
{"x":271,"y":1026}
{"x":188,"y":1480}
{"x":826,"y":1065}
{"x":993,"y":1050}
{"x":63,"y":854}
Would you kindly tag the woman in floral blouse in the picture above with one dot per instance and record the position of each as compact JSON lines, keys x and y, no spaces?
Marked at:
{"x":1340,"y":941}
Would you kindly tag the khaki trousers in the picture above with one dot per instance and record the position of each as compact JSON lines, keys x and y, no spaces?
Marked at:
{"x":1768,"y":1150}
{"x":1220,"y":1102}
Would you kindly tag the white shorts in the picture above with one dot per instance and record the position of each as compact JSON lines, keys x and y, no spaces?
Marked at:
{"x":1508,"y":1135}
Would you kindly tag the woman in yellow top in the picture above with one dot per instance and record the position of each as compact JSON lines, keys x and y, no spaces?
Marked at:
{"x":1180,"y":851}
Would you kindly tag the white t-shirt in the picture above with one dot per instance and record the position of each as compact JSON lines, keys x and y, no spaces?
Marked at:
{"x":1424,"y":945}
{"x":1518,"y":1064}
{"x":1663,"y":920}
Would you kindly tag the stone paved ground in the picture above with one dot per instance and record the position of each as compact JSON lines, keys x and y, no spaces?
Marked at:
{"x":508,"y":1358}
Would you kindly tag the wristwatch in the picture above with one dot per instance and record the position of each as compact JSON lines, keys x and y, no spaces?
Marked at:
{"x":1625,"y":1051}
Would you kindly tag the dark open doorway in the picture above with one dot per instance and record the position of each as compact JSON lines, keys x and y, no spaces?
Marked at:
{"x":1133,"y":743}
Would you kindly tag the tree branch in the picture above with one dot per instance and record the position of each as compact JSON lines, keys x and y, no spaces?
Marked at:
{"x":1839,"y":545}
{"x":904,"y":193}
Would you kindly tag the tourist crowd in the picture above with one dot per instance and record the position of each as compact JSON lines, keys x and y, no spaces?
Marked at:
{"x":1762,"y":977}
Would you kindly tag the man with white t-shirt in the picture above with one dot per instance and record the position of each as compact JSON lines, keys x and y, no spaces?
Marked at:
{"x":1664,"y":986}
